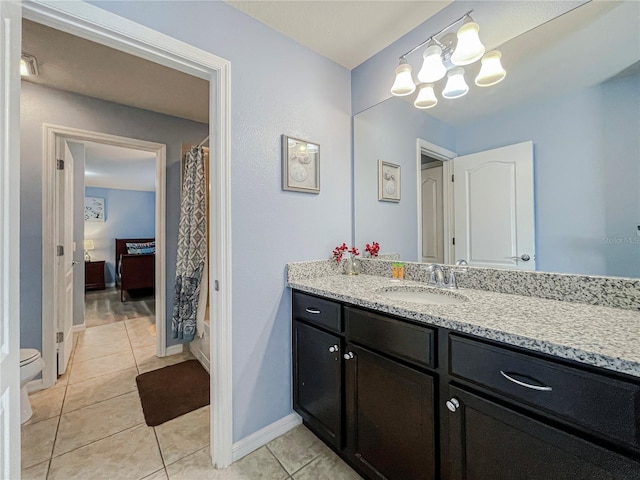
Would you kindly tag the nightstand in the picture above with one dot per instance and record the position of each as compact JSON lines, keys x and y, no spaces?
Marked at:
{"x":94,"y":275}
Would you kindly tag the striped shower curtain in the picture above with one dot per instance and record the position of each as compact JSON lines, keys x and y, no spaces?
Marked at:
{"x":192,"y":247}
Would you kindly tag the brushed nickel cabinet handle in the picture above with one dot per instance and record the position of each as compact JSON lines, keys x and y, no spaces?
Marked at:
{"x":540,"y":388}
{"x":315,"y":311}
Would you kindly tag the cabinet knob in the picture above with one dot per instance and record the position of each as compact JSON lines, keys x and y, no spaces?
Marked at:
{"x":334,"y":348}
{"x":453,"y":404}
{"x":348,"y":356}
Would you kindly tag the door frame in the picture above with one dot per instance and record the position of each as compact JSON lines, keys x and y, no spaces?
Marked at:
{"x":51,"y":290}
{"x":93,"y":23}
{"x":446,"y":157}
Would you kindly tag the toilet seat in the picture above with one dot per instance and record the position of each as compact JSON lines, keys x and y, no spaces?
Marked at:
{"x":28,"y":355}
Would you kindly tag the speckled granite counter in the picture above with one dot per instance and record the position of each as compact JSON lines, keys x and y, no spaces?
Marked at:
{"x":600,"y":336}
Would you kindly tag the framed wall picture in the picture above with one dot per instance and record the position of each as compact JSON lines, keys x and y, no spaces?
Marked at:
{"x":388,"y":182}
{"x":300,"y":165}
{"x":93,"y":209}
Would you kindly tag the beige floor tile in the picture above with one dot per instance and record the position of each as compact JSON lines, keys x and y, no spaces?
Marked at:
{"x":37,"y":472}
{"x":37,"y":442}
{"x":88,"y":424}
{"x":164,"y":361}
{"x":102,"y":334}
{"x":88,"y":369}
{"x":184,"y":435}
{"x":139,"y":324}
{"x":159,"y":475}
{"x":98,"y":389}
{"x":46,"y":403}
{"x":259,"y":465}
{"x":327,"y":466}
{"x":88,"y":352}
{"x":145,"y":354}
{"x":296,"y":448}
{"x":132,"y":454}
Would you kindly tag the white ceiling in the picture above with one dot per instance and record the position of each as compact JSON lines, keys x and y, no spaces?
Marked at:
{"x":347,"y":32}
{"x":108,"y":166}
{"x":73,"y":64}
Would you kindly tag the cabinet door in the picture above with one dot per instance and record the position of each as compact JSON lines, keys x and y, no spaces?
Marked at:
{"x":491,"y":442}
{"x":317,"y":377}
{"x":390,"y":417}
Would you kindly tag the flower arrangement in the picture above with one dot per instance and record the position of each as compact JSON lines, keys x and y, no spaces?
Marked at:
{"x":372,"y":249}
{"x":340,"y":250}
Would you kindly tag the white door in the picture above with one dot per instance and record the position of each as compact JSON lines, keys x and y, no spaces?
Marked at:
{"x":64,"y":259}
{"x":432,"y":215}
{"x":494,"y":219}
{"x":10,"y":25}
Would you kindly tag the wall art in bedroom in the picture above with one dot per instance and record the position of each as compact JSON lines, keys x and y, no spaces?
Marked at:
{"x":93,"y":209}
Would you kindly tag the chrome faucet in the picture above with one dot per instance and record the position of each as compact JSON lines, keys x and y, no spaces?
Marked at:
{"x":436,"y":275}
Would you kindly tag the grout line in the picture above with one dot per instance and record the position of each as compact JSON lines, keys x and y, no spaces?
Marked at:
{"x":99,"y":439}
{"x":164,"y":464}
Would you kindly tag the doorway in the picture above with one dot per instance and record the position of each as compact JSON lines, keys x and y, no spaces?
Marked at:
{"x":108,"y":29}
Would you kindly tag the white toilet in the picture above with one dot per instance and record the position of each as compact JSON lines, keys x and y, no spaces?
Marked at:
{"x":31,"y":364}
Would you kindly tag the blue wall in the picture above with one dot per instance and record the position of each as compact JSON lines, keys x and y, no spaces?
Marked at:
{"x":587,"y":173}
{"x":129,"y":214}
{"x":388,"y":132}
{"x":278,"y":87}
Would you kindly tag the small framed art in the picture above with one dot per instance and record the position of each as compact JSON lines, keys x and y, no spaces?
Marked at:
{"x":388,"y":182}
{"x":300,"y":165}
{"x":93,"y":209}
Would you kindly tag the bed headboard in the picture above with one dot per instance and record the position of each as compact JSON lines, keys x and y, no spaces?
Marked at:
{"x":121,"y":245}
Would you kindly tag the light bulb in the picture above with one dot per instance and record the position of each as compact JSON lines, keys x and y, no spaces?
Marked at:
{"x":403,"y":84}
{"x":432,"y":67}
{"x":456,"y":86}
{"x":426,"y":97}
{"x":469,"y":48}
{"x":491,"y":71}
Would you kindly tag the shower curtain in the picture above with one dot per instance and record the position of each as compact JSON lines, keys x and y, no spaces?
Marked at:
{"x":192,"y":249}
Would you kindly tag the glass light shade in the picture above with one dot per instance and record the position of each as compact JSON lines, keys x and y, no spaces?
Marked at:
{"x":432,"y":67}
{"x":426,"y":97}
{"x":456,"y":86}
{"x":469,"y":48}
{"x":24,"y":69}
{"x":491,"y":71}
{"x":403,"y":85}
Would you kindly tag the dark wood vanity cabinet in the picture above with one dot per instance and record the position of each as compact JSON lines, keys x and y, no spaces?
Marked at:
{"x":403,"y":401}
{"x":390,"y":417}
{"x":491,"y":441}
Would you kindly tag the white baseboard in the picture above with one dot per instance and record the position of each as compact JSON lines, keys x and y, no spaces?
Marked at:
{"x":265,"y":435}
{"x":202,"y":358}
{"x":174,"y":349}
{"x":79,"y":328}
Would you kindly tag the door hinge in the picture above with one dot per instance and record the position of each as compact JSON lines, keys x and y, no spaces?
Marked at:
{"x":216,"y":285}
{"x":59,"y":164}
{"x":453,"y":240}
{"x":452,"y":178}
{"x":59,"y":337}
{"x":59,"y":250}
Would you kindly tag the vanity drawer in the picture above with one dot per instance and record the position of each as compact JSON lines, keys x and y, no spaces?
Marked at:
{"x":403,"y":340}
{"x":317,"y":310}
{"x":603,"y":405}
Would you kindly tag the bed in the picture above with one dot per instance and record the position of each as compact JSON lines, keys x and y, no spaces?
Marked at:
{"x":134,"y":271}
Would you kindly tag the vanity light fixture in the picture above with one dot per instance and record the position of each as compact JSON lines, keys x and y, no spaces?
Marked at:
{"x":28,"y":65}
{"x":444,"y":57}
{"x":426,"y":97}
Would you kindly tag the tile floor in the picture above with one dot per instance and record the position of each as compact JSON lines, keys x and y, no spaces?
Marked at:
{"x":90,"y":424}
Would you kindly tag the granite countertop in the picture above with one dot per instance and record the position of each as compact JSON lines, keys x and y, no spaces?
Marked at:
{"x":600,"y":336}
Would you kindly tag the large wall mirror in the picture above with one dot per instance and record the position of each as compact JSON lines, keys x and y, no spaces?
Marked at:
{"x":572,"y":92}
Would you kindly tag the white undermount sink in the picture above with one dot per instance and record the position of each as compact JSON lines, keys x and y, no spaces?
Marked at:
{"x":426,"y":296}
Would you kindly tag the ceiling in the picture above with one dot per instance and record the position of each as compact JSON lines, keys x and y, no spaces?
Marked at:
{"x":108,"y":166}
{"x":347,"y":32}
{"x":73,"y":64}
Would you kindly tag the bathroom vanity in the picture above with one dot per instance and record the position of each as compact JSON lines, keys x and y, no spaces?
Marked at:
{"x":495,"y":387}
